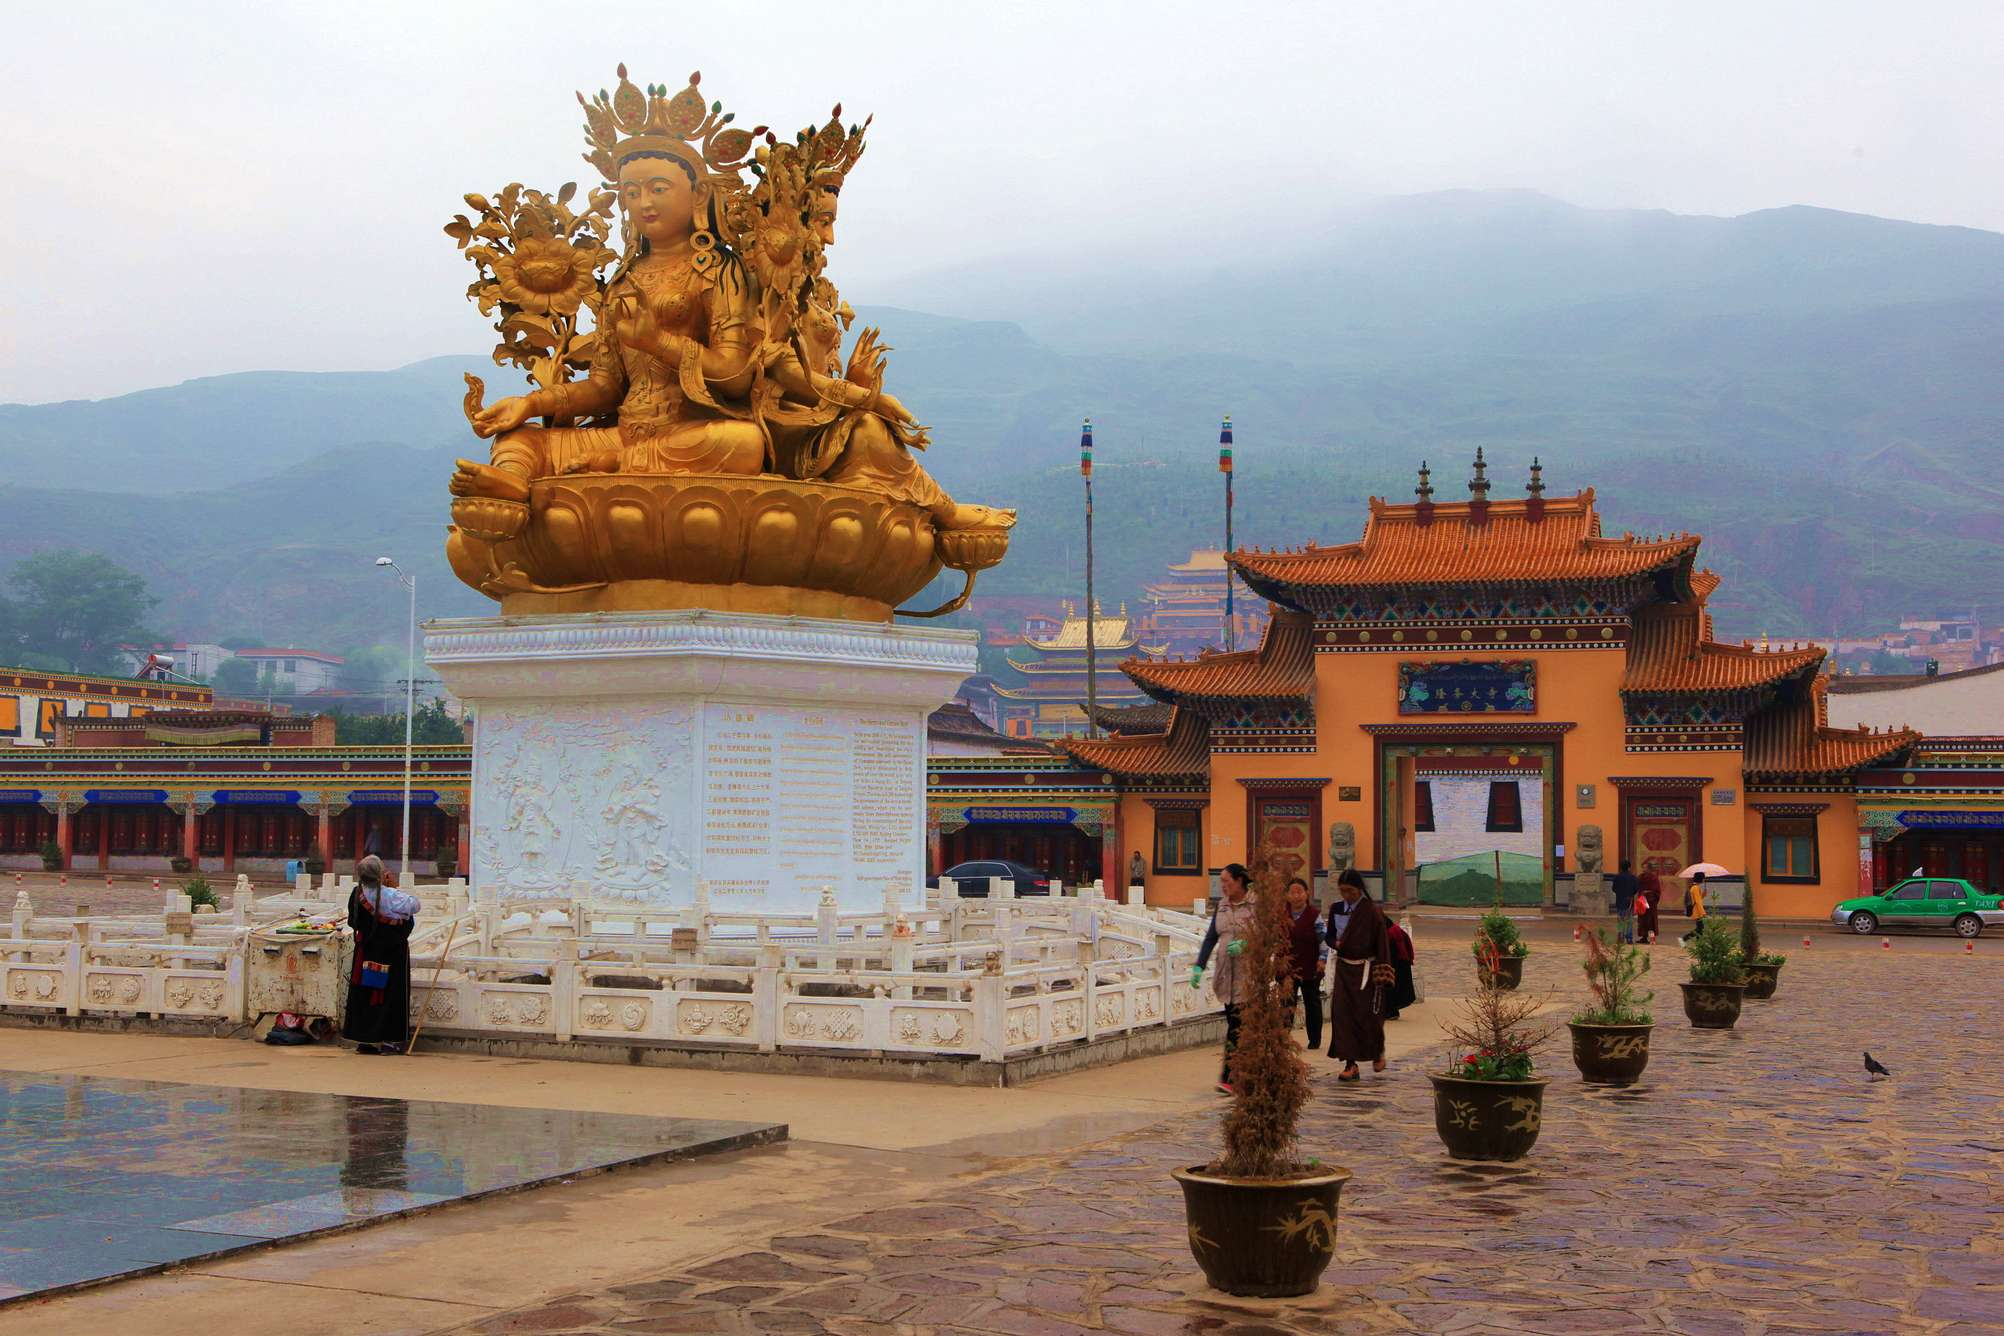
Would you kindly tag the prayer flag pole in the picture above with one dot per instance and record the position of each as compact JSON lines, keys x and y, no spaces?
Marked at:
{"x":1092,"y":609}
{"x":1225,"y":467}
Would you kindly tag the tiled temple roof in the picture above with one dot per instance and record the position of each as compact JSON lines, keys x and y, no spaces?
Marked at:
{"x":1281,"y":668}
{"x":1152,"y":717}
{"x":1182,"y":750}
{"x":1514,"y":541}
{"x":1795,"y":739}
{"x":1670,"y":650}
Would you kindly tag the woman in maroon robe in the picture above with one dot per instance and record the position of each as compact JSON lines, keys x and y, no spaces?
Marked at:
{"x":1356,"y":995}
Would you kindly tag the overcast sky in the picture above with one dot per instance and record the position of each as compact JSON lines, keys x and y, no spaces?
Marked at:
{"x":198,"y":188}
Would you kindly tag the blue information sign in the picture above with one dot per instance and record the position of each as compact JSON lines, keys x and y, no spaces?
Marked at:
{"x":390,"y":797}
{"x":257,"y":798}
{"x":107,"y":797}
{"x":1922,"y":819}
{"x":20,"y":795}
{"x":1033,"y":816}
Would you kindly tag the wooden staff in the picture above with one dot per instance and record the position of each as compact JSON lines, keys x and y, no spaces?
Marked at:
{"x":454,"y":932}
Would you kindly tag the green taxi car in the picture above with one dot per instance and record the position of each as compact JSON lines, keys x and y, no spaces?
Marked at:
{"x":1923,"y":902}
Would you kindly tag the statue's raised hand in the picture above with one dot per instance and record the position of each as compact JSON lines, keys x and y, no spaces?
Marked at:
{"x":503,"y":416}
{"x":866,"y":361}
{"x":633,"y":324}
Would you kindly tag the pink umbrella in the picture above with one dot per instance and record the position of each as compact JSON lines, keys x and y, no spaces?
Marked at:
{"x":1709,"y":869}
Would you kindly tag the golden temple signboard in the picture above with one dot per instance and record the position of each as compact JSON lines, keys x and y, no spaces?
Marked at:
{"x":694,"y":437}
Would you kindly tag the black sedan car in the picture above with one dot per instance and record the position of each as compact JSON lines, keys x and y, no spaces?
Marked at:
{"x":972,"y":878}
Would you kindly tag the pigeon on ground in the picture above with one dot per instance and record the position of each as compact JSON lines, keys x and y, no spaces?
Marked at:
{"x":1873,"y":1067}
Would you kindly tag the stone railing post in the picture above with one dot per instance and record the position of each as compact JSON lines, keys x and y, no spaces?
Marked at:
{"x":991,"y":999}
{"x":827,"y":927}
{"x":73,"y":966}
{"x":765,"y":997}
{"x":564,"y":989}
{"x":236,"y":995}
{"x":702,"y":912}
{"x":900,"y":934}
{"x":24,"y":914}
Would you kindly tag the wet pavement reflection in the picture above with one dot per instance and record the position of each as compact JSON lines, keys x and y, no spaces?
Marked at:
{"x":102,"y":1177}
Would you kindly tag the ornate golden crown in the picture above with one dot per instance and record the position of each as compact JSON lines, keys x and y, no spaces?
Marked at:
{"x":627,"y":121}
{"x":834,"y":150}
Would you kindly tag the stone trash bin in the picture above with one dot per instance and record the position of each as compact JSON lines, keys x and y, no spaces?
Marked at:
{"x":305,"y":973}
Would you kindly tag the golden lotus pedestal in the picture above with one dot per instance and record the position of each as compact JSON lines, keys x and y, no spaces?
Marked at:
{"x":650,"y":542}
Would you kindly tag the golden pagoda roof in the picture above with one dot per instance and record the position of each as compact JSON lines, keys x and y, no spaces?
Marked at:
{"x":1513,"y":541}
{"x":1108,"y":632}
{"x":1204,"y":559}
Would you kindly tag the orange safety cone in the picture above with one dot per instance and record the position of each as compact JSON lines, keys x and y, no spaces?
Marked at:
{"x":1805,"y":941}
{"x":1885,"y":943}
{"x":1576,"y":932}
{"x":1969,"y":948}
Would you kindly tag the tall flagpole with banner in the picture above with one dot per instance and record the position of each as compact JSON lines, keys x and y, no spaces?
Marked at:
{"x":1091,"y":611}
{"x":1225,"y":467}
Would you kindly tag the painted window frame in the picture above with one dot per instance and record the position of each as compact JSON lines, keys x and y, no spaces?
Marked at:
{"x":1804,"y":829}
{"x":1179,"y":842}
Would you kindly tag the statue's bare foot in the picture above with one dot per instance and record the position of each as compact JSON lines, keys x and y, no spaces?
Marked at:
{"x":981,"y":517}
{"x":471,"y":479}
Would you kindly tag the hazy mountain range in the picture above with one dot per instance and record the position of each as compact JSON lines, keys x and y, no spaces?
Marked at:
{"x":1817,"y":393}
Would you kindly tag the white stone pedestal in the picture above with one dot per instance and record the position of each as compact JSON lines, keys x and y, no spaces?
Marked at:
{"x":641,"y":753}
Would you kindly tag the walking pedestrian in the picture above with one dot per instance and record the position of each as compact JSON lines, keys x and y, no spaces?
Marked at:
{"x":1231,"y":923}
{"x":1363,"y":967}
{"x":1625,"y":885}
{"x":379,"y":981}
{"x":1304,"y":935}
{"x":1694,"y":905}
{"x":1402,"y":993}
{"x":1648,"y":894}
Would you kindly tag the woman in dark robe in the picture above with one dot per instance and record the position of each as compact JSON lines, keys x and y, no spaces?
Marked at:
{"x":1356,"y":994}
{"x":1648,"y":894}
{"x":379,"y":981}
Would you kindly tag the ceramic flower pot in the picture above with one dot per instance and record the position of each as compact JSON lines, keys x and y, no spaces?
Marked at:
{"x":1610,"y":1054}
{"x":1712,"y":1006}
{"x":1265,"y":1238}
{"x":1762,"y":980}
{"x":1509,"y":972}
{"x":1487,"y":1120}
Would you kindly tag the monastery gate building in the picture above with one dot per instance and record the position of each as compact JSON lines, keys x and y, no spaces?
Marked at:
{"x":1502,"y":667}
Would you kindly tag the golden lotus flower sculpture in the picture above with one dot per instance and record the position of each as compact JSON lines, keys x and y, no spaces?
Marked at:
{"x":763,"y":544}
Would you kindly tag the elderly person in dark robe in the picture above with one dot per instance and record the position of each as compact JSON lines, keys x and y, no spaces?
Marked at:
{"x":379,"y":980}
{"x":1356,"y":993}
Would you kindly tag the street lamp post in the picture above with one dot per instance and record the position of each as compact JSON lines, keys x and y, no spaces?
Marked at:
{"x":410,"y":701}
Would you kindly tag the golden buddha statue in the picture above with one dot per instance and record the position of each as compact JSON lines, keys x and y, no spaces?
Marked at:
{"x":717,"y":452}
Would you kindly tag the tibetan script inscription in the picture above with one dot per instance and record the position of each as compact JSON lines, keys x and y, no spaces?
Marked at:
{"x":1469,"y":686}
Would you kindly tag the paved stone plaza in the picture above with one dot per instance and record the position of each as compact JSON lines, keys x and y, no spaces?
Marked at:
{"x":1756,"y":1182}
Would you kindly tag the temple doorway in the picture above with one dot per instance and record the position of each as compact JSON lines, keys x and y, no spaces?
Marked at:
{"x":1461,"y":823}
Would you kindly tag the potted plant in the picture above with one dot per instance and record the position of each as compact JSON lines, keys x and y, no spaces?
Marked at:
{"x":1262,"y":1221}
{"x":1489,"y":1105}
{"x":180,"y":863}
{"x":1763,"y":968}
{"x":1611,"y":1033}
{"x":200,"y":893}
{"x":1712,"y":997}
{"x":1499,"y":950}
{"x":52,"y":856}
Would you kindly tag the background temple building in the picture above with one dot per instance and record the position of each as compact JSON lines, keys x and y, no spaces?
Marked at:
{"x":1184,"y":613}
{"x":1496,"y":689}
{"x":1041,"y":693}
